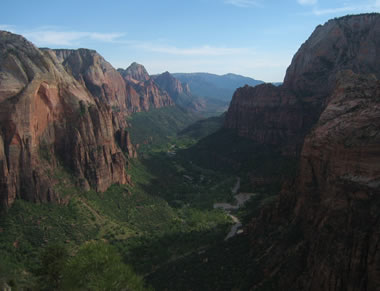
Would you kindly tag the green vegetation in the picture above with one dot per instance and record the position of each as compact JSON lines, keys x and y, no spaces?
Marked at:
{"x":261,"y":167}
{"x":203,"y":128}
{"x":98,"y":266}
{"x":166,"y":214}
{"x":143,"y":227}
{"x":161,"y":223}
{"x":170,"y":128}
{"x":154,"y":129}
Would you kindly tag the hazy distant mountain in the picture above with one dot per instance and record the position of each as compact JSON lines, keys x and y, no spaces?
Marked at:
{"x":214,"y":86}
{"x":182,"y":95}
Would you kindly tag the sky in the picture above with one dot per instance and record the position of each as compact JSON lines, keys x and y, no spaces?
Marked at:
{"x":254,"y":38}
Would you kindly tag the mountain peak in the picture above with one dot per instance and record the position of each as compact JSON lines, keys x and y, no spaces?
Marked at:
{"x":135,"y":72}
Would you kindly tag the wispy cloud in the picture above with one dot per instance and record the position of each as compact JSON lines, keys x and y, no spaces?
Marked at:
{"x":319,"y":12}
{"x":368,"y":6}
{"x":307,"y":2}
{"x":7,"y":27}
{"x":50,"y":35}
{"x":205,"y":50}
{"x":68,"y":38}
{"x":244,"y":3}
{"x":263,"y":66}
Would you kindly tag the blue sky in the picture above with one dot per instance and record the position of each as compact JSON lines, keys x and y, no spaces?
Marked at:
{"x":255,"y":38}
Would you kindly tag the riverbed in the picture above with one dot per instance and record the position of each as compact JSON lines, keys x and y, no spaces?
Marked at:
{"x":240,"y":199}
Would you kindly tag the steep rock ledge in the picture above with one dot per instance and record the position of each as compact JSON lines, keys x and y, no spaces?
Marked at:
{"x":47,"y":118}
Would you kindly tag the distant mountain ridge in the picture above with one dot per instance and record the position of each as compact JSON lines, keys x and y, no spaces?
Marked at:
{"x":214,"y":86}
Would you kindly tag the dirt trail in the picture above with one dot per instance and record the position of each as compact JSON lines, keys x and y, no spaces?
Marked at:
{"x":241,"y":199}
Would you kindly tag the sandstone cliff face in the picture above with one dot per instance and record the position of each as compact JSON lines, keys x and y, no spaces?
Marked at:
{"x":135,"y":73}
{"x":47,"y":119}
{"x":324,"y":233}
{"x":143,"y":93}
{"x":338,"y":189}
{"x":96,"y":74}
{"x":179,"y":92}
{"x":345,"y":43}
{"x":173,"y":86}
{"x":267,"y":114}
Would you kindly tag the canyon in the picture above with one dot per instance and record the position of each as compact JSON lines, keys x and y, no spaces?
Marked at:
{"x":70,"y":110}
{"x":327,"y":114}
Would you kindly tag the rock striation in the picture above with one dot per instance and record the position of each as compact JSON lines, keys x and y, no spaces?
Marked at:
{"x":143,"y":93}
{"x":323,"y":232}
{"x":327,"y":223}
{"x":135,"y":73}
{"x":283,"y":116}
{"x":96,"y":74}
{"x":50,"y":120}
{"x":338,"y":189}
{"x":180,"y":92}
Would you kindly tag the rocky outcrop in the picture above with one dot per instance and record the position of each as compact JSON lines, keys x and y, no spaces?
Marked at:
{"x":283,"y":116}
{"x":338,"y":189}
{"x":179,"y":92}
{"x":326,"y":224}
{"x":49,"y":120}
{"x":143,"y":93}
{"x":268,"y":115}
{"x":97,"y":75}
{"x":135,"y":73}
{"x":171,"y":85}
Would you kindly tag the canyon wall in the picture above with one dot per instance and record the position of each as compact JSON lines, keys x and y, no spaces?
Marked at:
{"x":50,"y":120}
{"x":283,"y":115}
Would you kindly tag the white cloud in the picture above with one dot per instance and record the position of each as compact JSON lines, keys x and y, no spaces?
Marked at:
{"x":307,"y":2}
{"x":244,"y":3}
{"x":369,"y":6}
{"x":257,"y":64}
{"x":55,"y":36}
{"x":6,"y":27}
{"x":261,"y":66}
{"x":204,"y":50}
{"x":68,"y":38}
{"x":319,"y":12}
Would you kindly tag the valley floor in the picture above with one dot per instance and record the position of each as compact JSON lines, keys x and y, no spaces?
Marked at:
{"x":175,"y":212}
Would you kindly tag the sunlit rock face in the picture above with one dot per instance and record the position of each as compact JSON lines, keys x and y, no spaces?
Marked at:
{"x":49,"y":119}
{"x":143,"y":93}
{"x":179,"y":92}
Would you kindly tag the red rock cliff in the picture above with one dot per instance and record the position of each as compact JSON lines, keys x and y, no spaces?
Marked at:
{"x":338,"y":190}
{"x":96,"y":74}
{"x":179,"y":92}
{"x":324,"y":232}
{"x":47,"y":119}
{"x":284,"y":115}
{"x":143,"y":93}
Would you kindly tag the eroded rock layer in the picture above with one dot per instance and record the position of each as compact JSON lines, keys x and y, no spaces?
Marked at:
{"x":283,"y":116}
{"x":48,"y":119}
{"x":143,"y":93}
{"x":324,"y":231}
